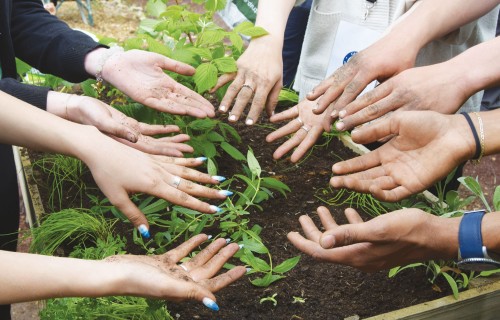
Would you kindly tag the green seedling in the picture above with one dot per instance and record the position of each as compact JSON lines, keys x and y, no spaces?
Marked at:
{"x":271,"y":299}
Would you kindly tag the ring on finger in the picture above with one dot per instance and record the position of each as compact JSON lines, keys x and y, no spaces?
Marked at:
{"x":183,"y":267}
{"x":300,"y":121}
{"x":247,"y":86}
{"x":306,"y":128}
{"x":176,"y":182}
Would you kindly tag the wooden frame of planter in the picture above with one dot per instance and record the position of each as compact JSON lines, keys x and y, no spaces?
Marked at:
{"x":481,"y":301}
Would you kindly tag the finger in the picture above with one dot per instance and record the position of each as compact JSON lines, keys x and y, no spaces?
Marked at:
{"x":187,"y":162}
{"x":307,"y":143}
{"x":181,"y":198}
{"x":114,"y":128}
{"x":153,"y":129}
{"x":189,"y":174}
{"x":172,"y":107}
{"x":204,"y":255}
{"x":376,"y":130}
{"x":272,"y":99}
{"x":153,"y":147}
{"x":288,"y":114}
{"x":187,"y":97}
{"x":176,"y":66}
{"x":326,"y":218}
{"x":310,"y":229}
{"x":365,"y":100}
{"x":371,"y":112}
{"x":195,"y":190}
{"x":215,"y":263}
{"x":122,"y":202}
{"x":328,"y":118}
{"x":351,"y":183}
{"x":392,"y":195}
{"x":175,"y":255}
{"x":231,"y":93}
{"x":307,"y":246}
{"x":225,"y":279}
{"x":353,"y":216}
{"x":258,"y":103}
{"x":338,"y":81}
{"x":179,"y":138}
{"x":291,"y":127}
{"x":351,"y":91}
{"x":361,"y":163}
{"x":242,"y":100}
{"x":291,"y":143}
{"x":223,"y":79}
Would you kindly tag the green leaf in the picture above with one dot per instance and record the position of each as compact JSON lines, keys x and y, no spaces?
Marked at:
{"x":275,"y":184}
{"x":266,"y":280}
{"x":215,"y":137}
{"x":204,"y":53}
{"x":232,"y":151}
{"x":255,"y":246}
{"x":288,"y":95}
{"x":287,"y":265}
{"x":158,"y":47}
{"x":208,"y":150}
{"x":236,"y":40}
{"x":202,"y":124}
{"x":228,"y":225}
{"x":155,"y":207}
{"x":496,"y":199}
{"x":205,"y":77}
{"x":452,"y":283}
{"x":226,"y":64}
{"x":201,"y":224}
{"x":211,"y":37}
{"x":243,"y":26}
{"x":211,"y":167}
{"x":218,"y":52}
{"x":253,"y":164}
{"x":394,"y":271}
{"x":254,"y":32}
{"x":254,"y":262}
{"x":88,"y":89}
{"x":474,"y":186}
{"x":155,"y":8}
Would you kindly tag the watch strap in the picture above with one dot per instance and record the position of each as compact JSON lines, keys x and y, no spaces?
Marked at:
{"x":470,"y":239}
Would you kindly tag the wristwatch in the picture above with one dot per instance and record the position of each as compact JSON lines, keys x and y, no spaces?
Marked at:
{"x":472,"y":255}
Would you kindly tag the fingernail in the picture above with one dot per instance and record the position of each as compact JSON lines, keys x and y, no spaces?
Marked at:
{"x":328,"y":242}
{"x":249,"y":122}
{"x":226,"y":193}
{"x":222,"y":108}
{"x":342,"y":113}
{"x":131,"y":137}
{"x":249,"y":269}
{"x":340,"y":125}
{"x":209,"y":237}
{"x":273,"y":113}
{"x":143,"y":230}
{"x":228,"y":240}
{"x":232,"y":117}
{"x":316,"y":106}
{"x":355,"y":131}
{"x":202,"y":159}
{"x":310,"y":92}
{"x":241,"y":246}
{"x":210,"y":304}
{"x":215,"y":209}
{"x":333,"y":114}
{"x":219,"y":178}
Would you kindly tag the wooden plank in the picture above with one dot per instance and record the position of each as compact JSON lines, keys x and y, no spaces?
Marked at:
{"x":35,"y":199}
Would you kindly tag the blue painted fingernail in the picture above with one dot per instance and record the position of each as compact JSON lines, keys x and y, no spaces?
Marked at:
{"x":228,"y":240}
{"x":219,"y":178}
{"x":249,"y":269}
{"x":215,"y":208}
{"x":143,"y":230}
{"x":209,"y":237}
{"x":226,"y":193}
{"x":210,"y":304}
{"x":241,"y":246}
{"x":201,"y":159}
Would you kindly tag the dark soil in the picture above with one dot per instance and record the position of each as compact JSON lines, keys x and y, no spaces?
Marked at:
{"x":330,"y":291}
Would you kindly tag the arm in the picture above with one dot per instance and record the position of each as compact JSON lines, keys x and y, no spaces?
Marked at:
{"x":260,"y":67}
{"x":109,"y":161}
{"x":392,"y":239}
{"x":425,"y":148}
{"x":157,"y":277}
{"x":396,"y":51}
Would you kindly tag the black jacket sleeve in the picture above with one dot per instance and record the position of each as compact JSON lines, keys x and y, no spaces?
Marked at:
{"x":48,"y":44}
{"x":34,"y":95}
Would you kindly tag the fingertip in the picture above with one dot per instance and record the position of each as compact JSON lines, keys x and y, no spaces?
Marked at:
{"x":327,"y":241}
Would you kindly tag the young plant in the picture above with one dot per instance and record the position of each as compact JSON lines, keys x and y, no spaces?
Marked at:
{"x":271,"y":299}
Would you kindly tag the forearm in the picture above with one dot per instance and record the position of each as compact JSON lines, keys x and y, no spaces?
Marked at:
{"x":27,"y":277}
{"x":25,"y":125}
{"x":430,"y":20}
{"x":272,"y":15}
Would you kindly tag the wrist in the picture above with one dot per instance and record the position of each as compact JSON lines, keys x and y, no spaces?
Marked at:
{"x":466,"y":144}
{"x":96,"y":60}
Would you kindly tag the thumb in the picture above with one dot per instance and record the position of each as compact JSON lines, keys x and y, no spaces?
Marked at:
{"x":133,"y":214}
{"x":118,"y":130}
{"x":345,"y":235}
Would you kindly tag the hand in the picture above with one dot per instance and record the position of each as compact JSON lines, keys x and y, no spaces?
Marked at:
{"x":119,"y":171}
{"x":90,"y":111}
{"x":306,"y":126}
{"x":161,"y":277}
{"x":392,"y":239}
{"x":140,"y":75}
{"x":425,"y":88}
{"x":381,"y":60}
{"x":260,"y":75}
{"x":426,"y":147}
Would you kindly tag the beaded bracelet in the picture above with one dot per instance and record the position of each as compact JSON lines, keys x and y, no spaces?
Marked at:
{"x":111,"y":51}
{"x":479,"y":143}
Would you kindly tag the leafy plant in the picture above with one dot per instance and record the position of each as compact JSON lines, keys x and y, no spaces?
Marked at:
{"x":270,"y":299}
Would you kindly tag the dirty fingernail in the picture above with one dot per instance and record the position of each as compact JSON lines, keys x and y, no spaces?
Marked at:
{"x":143,"y":230}
{"x":210,"y":304}
{"x":131,"y":137}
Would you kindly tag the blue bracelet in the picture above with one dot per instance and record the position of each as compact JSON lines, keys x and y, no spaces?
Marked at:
{"x":477,"y":154}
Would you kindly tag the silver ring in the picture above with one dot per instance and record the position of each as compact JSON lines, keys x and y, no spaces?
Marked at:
{"x":183,"y":267}
{"x":306,"y":129}
{"x":176,"y":182}
{"x":300,"y":121}
{"x":247,"y":86}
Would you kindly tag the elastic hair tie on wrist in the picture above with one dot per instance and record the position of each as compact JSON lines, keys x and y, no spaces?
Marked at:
{"x":478,"y":153}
